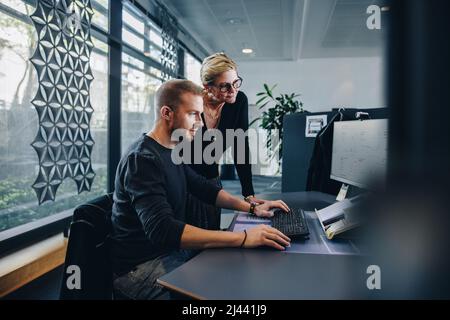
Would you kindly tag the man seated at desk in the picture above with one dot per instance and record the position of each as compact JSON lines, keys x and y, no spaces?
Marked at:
{"x":150,"y":235}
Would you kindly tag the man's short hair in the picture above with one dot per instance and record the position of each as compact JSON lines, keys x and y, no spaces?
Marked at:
{"x":170,"y":92}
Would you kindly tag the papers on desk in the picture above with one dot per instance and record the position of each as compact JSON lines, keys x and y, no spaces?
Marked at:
{"x":248,"y":218}
{"x":244,"y":226}
{"x":338,"y":217}
{"x":245,"y":221}
{"x":316,"y":244}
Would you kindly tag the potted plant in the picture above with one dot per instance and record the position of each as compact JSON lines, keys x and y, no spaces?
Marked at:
{"x":272,"y":118}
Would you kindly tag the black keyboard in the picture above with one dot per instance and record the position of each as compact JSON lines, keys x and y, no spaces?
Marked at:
{"x":293,"y":224}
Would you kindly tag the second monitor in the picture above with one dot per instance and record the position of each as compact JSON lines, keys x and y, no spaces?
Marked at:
{"x":359,"y":155}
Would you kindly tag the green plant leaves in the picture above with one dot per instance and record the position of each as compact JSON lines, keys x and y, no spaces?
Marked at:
{"x":263,"y":105}
{"x":254,"y":120}
{"x":261,"y":100}
{"x":272,"y":118}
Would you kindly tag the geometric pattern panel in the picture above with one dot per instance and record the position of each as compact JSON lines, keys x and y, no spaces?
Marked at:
{"x":63,"y":142}
{"x":169,"y":52}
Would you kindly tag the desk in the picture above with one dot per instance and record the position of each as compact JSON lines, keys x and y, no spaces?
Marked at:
{"x":231,"y":273}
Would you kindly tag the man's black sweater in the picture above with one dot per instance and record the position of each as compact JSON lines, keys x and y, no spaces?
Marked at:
{"x":148,"y":215}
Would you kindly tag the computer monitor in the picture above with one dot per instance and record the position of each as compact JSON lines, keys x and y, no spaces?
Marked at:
{"x":359,"y":154}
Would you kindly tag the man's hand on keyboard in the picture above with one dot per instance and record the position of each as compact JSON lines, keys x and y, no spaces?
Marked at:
{"x":265,"y":209}
{"x":264,"y":235}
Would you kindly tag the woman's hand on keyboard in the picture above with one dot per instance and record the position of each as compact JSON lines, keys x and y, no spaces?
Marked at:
{"x":266,"y":209}
{"x":264,"y":235}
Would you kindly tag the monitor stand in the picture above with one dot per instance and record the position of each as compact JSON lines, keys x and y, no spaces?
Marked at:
{"x":349,"y":191}
{"x":342,"y":192}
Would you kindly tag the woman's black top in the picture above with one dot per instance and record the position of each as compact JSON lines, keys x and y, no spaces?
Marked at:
{"x":233,"y":116}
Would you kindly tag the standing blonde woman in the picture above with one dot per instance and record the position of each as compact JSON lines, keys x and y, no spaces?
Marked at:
{"x":224,"y":107}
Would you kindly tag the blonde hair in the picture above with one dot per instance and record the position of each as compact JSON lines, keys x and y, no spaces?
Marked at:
{"x":214,"y":65}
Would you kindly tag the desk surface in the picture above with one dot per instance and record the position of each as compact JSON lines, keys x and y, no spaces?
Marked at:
{"x":306,"y":200}
{"x":259,"y":274}
{"x":267,"y":274}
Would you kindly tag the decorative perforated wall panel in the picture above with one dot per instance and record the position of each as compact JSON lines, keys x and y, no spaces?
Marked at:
{"x":63,"y":141}
{"x":169,"y":54}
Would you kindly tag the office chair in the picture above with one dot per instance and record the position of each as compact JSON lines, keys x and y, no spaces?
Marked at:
{"x":88,"y":251}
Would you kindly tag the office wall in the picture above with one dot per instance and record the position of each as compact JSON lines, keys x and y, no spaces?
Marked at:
{"x":324,"y":83}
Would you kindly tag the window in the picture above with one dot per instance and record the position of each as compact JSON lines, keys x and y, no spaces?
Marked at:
{"x":138,"y":88}
{"x":141,"y":33}
{"x":192,"y":68}
{"x":101,"y":11}
{"x":19,"y":123}
{"x":140,"y":74}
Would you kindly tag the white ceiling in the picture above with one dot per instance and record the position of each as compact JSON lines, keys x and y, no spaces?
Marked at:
{"x":281,"y":29}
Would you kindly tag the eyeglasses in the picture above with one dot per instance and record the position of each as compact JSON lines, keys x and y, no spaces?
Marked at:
{"x":226,"y":87}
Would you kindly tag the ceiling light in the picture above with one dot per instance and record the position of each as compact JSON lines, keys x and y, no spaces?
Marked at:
{"x":234,"y":21}
{"x":385,"y":8}
{"x":247,"y":50}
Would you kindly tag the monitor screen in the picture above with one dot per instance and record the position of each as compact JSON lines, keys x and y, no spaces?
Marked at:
{"x":359,"y":154}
